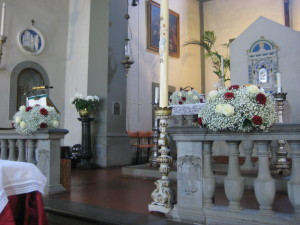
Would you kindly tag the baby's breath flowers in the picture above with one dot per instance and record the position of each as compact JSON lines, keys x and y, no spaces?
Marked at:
{"x":238,"y":108}
{"x":29,"y":120}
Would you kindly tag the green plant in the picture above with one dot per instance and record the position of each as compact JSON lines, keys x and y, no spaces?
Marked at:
{"x":89,"y":102}
{"x":207,"y":42}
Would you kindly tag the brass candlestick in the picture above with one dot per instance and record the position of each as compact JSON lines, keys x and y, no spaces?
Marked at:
{"x":281,"y":166}
{"x":2,"y":41}
{"x":154,"y":150}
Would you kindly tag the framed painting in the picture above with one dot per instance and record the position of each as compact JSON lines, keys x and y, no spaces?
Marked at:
{"x":153,"y":27}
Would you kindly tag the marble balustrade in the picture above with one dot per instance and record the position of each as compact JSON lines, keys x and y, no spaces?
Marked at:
{"x":41,"y":149}
{"x":196,"y":181}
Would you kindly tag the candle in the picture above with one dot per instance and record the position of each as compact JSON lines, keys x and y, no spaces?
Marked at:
{"x":222,"y":67}
{"x":164,"y":53}
{"x":127,"y":50}
{"x":156,"y":95}
{"x":2,"y":19}
{"x":278,"y":82}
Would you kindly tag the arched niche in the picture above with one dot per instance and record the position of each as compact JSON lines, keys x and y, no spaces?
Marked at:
{"x":24,"y":76}
{"x":263,"y":64}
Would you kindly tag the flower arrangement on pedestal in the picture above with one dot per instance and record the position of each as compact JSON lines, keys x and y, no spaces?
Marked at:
{"x":185,"y":97}
{"x":29,"y":120}
{"x":85,"y":105}
{"x":238,"y":108}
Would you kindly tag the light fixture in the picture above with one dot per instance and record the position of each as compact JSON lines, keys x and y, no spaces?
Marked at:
{"x":134,"y":2}
{"x":2,"y":36}
{"x":127,"y":61}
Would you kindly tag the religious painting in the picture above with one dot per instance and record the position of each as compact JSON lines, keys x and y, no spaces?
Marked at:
{"x":153,"y":27}
{"x":31,"y":41}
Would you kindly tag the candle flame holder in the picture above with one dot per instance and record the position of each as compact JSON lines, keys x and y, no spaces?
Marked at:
{"x":280,"y":166}
{"x":127,"y":63}
{"x":2,"y":41}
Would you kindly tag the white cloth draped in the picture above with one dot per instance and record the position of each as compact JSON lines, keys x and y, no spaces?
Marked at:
{"x":19,"y":178}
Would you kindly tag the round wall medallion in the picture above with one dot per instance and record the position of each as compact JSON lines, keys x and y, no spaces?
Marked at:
{"x":31,"y":41}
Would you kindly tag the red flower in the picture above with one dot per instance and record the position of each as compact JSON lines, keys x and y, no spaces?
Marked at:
{"x":28,"y":108}
{"x":183,"y":98}
{"x":257,"y":120}
{"x":43,"y":125}
{"x":228,"y":95}
{"x":201,"y":100}
{"x":234,"y":87}
{"x":170,"y":100}
{"x":261,"y":98}
{"x":44,"y":111}
{"x":200,"y":121}
{"x":180,"y":102}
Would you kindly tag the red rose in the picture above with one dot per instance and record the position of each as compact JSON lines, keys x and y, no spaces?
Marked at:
{"x":170,"y":100}
{"x":200,"y":121}
{"x":228,"y":95}
{"x":180,"y":102}
{"x":261,"y":98}
{"x":43,"y":125}
{"x":28,"y":108}
{"x":201,"y":100}
{"x":234,"y":87}
{"x":257,"y":120}
{"x":183,"y":98}
{"x":44,"y":111}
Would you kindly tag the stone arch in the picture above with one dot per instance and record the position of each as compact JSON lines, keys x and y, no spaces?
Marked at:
{"x":24,"y":76}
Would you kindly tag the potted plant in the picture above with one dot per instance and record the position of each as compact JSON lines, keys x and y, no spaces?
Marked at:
{"x":85,"y":105}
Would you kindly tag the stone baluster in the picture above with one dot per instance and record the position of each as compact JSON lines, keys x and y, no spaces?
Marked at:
{"x":209,"y":179}
{"x":233,"y":182}
{"x":3,"y":149}
{"x":21,"y":147}
{"x":31,"y":151}
{"x":248,"y":147}
{"x":180,"y":121}
{"x":190,"y":120}
{"x":294,"y":183}
{"x":12,"y":150}
{"x":264,"y":185}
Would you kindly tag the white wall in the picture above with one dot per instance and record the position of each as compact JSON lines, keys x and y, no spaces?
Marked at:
{"x":183,"y":71}
{"x":19,"y":14}
{"x":229,"y":18}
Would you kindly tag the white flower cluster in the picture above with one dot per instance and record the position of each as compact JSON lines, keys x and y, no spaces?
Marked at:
{"x":89,"y":102}
{"x":184,"y":97}
{"x":29,"y":119}
{"x":238,"y":108}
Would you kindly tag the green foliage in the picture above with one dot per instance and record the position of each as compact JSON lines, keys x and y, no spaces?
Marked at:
{"x":207,"y":42}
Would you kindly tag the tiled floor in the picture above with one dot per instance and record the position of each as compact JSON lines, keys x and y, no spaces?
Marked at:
{"x":108,"y":188}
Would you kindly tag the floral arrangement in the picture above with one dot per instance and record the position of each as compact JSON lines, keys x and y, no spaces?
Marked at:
{"x":185,"y":97}
{"x":89,"y":102}
{"x":29,"y":119}
{"x":238,"y":108}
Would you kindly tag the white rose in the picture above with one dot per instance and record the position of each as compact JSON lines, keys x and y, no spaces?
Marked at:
{"x":22,"y":124}
{"x":212,"y":94}
{"x":253,"y":89}
{"x":89,"y":98}
{"x":195,"y":97}
{"x":179,"y":94}
{"x":190,"y":93}
{"x":22,"y":108}
{"x":228,"y":110}
{"x":18,"y":119}
{"x":55,"y":123}
{"x":96,"y":98}
{"x":219,"y":108}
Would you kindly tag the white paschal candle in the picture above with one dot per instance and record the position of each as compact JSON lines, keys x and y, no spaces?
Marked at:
{"x":222,"y":67}
{"x":164,"y":53}
{"x":2,"y":19}
{"x":278,"y":82}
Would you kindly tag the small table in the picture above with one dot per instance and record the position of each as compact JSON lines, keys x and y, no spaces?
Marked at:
{"x":21,"y":186}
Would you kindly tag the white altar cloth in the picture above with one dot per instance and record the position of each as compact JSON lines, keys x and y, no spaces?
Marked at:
{"x":186,"y":109}
{"x":19,"y":178}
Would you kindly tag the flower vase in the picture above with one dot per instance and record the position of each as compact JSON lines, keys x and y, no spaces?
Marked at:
{"x":84,"y":113}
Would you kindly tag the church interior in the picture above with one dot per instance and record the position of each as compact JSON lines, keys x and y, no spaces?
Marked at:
{"x":100,"y":169}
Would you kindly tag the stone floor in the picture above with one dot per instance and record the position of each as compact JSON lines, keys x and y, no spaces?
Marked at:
{"x":108,"y":189}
